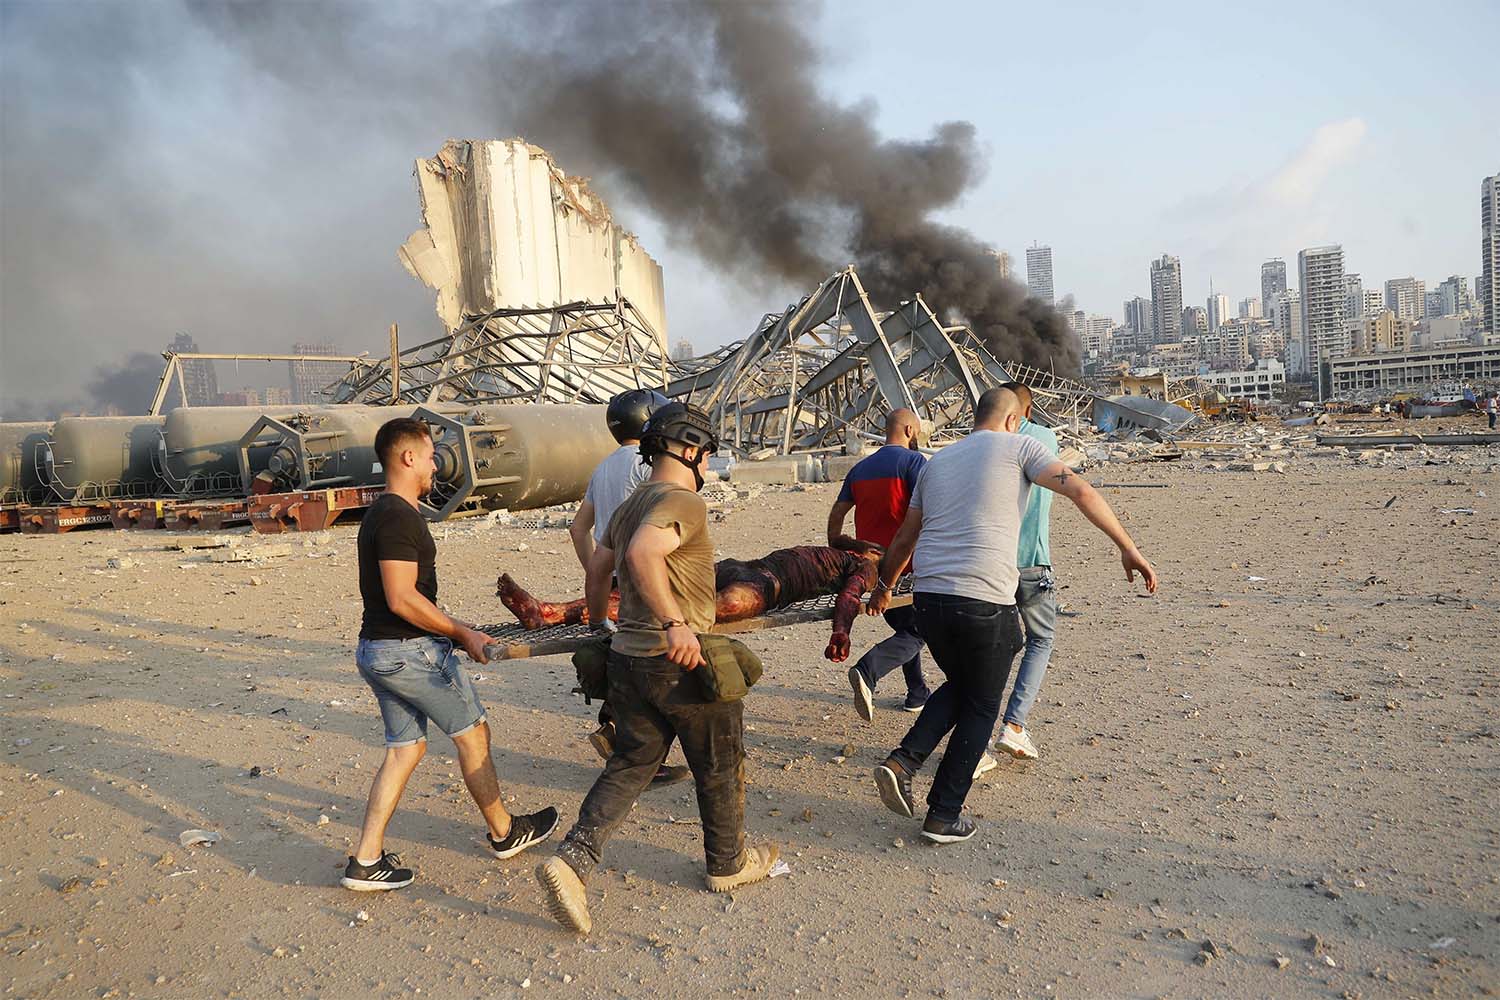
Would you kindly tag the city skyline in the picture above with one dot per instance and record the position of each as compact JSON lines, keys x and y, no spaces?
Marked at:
{"x":1410,"y":296}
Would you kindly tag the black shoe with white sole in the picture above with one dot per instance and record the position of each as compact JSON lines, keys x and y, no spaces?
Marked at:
{"x":386,"y":873}
{"x":524,"y":831}
{"x":939,"y":832}
{"x":894,"y":786}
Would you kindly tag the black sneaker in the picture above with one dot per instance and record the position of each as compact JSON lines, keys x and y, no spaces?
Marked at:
{"x":524,"y":831}
{"x":386,"y":873}
{"x":670,"y":774}
{"x":949,"y":833}
{"x":864,"y":693}
{"x":894,"y":786}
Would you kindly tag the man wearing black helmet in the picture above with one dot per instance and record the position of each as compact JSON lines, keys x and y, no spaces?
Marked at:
{"x":619,"y":474}
{"x":613,"y":480}
{"x":659,"y":549}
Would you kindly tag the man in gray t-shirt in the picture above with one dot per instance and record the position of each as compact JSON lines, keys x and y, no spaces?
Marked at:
{"x":972,"y":495}
{"x":960,"y":532}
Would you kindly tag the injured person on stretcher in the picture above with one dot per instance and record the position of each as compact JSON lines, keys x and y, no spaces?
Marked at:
{"x":746,"y":589}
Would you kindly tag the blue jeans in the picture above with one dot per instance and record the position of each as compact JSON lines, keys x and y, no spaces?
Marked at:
{"x":1036,"y":597}
{"x":973,"y":643}
{"x":415,"y":680}
{"x":904,"y":650}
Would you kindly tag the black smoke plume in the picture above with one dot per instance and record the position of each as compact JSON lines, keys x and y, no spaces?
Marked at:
{"x":126,"y":388}
{"x":710,"y":115}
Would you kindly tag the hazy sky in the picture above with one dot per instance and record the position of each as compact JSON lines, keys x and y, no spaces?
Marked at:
{"x":164,"y":167}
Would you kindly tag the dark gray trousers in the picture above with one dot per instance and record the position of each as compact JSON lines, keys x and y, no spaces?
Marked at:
{"x":653,"y":701}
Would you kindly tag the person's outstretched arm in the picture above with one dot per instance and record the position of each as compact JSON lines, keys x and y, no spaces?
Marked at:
{"x":1060,"y":479}
{"x":398,"y":579}
{"x":861,"y":577}
{"x":836,"y":518}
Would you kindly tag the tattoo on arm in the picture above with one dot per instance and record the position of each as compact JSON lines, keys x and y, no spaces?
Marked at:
{"x":1063,"y":477}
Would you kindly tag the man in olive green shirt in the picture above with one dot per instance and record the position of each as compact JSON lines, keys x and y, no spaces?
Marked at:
{"x":658,"y":548}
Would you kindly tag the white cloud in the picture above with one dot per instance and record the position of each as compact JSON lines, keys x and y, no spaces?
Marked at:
{"x":1298,"y":180}
{"x":1228,"y":232}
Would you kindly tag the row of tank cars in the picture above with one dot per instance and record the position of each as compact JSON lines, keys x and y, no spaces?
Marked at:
{"x":514,"y":456}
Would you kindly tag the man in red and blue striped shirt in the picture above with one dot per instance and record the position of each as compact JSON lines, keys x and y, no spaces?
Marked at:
{"x":878,"y":490}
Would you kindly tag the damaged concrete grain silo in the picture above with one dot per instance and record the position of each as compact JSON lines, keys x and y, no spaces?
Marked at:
{"x":507,"y":229}
{"x":545,"y":298}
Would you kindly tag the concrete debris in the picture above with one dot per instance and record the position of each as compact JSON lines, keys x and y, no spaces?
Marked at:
{"x":250,"y":554}
{"x":781,"y":472}
{"x":197,"y":838}
{"x":191,"y":543}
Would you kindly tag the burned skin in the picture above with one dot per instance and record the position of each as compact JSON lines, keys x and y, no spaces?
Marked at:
{"x":745,"y":589}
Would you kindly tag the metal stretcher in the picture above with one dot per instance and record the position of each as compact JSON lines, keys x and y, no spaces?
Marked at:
{"x":517,"y":642}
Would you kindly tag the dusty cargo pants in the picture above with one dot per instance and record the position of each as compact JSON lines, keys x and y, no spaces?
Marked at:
{"x":655,"y":700}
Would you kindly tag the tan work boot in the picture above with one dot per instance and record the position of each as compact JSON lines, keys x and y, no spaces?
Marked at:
{"x":603,"y":740}
{"x":567,"y":898}
{"x":758,"y":864}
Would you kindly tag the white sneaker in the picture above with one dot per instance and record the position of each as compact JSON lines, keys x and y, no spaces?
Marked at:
{"x":1016,"y":744}
{"x":864,"y":695}
{"x":986,"y":763}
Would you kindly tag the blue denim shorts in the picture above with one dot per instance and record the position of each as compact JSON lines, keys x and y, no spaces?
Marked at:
{"x":415,"y":680}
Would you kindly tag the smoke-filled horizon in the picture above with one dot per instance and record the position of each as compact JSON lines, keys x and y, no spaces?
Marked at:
{"x":242,"y":172}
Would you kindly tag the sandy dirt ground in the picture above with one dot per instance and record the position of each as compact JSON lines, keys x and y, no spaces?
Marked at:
{"x":1286,"y":759}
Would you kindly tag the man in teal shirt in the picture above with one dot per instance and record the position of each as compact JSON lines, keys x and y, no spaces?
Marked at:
{"x":1036,"y":599}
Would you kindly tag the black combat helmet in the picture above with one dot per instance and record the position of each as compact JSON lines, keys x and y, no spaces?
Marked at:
{"x":680,"y":422}
{"x":628,"y":412}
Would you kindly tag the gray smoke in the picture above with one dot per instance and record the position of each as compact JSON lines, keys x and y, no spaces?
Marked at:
{"x":163,"y":173}
{"x":711,"y":116}
{"x":126,"y":388}
{"x":242,"y":171}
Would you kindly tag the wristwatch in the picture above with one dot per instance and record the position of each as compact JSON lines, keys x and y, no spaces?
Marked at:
{"x":880,"y":585}
{"x":672,"y":621}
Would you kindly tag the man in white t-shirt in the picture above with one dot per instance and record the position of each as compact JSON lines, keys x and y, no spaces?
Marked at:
{"x":614,"y":479}
{"x":961,"y":533}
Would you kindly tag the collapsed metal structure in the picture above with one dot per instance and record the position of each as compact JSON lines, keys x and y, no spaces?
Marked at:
{"x":827,"y":371}
{"x":814,"y":377}
{"x":575,"y":353}
{"x":512,"y":397}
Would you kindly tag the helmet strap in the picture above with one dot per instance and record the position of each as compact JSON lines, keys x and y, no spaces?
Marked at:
{"x":692,"y":466}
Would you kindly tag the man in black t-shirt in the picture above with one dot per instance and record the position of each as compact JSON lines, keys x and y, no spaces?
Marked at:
{"x":407,"y":654}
